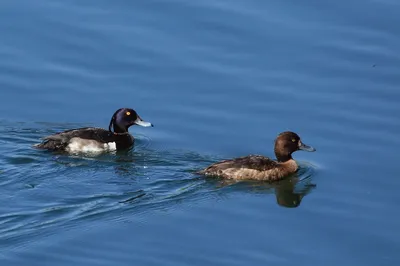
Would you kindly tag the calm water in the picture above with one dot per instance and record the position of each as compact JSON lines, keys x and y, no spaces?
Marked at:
{"x":218,"y":79}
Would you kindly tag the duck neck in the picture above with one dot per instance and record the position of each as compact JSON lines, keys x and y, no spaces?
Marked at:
{"x":283,"y":157}
{"x":118,"y":129}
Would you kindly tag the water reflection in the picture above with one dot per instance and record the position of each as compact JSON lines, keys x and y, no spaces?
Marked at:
{"x":288,"y":192}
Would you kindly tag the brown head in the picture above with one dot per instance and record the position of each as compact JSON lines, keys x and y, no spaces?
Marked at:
{"x":286,"y":143}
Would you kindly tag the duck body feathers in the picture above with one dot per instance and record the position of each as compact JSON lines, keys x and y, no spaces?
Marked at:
{"x":255,"y":167}
{"x":89,"y":138}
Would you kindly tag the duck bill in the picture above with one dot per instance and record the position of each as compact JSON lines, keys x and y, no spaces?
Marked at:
{"x":142,"y":123}
{"x":305,"y":147}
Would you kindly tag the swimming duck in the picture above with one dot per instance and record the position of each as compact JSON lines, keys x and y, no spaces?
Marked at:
{"x":89,"y":139}
{"x":257,"y":167}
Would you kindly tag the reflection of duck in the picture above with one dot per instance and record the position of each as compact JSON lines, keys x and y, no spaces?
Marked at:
{"x":96,"y":139}
{"x":290,"y":192}
{"x":257,"y":167}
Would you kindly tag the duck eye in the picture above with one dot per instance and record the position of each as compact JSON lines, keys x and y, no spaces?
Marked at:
{"x":128,"y":113}
{"x":293,"y":140}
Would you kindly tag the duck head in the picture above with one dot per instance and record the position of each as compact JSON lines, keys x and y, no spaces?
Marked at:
{"x":123,"y":118}
{"x":288,"y":142}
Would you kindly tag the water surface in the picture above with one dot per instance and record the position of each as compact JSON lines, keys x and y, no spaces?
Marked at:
{"x":218,"y":79}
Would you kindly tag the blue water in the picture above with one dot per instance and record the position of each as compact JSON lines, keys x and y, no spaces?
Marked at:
{"x":218,"y":79}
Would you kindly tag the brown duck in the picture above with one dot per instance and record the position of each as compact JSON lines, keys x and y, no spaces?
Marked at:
{"x":257,"y":167}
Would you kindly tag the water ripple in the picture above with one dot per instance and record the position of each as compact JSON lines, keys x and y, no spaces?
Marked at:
{"x":140,"y":180}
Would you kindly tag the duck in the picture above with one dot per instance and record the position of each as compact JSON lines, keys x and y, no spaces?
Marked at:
{"x":95,"y":139}
{"x":261,"y":168}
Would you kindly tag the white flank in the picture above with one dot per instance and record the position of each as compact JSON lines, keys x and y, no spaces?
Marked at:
{"x":87,"y":145}
{"x":110,"y":146}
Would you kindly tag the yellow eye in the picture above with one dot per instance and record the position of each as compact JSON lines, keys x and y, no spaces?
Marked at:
{"x":293,"y":140}
{"x":128,"y":113}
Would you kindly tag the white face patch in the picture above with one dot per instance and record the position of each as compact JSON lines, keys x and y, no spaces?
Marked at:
{"x":89,"y":146}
